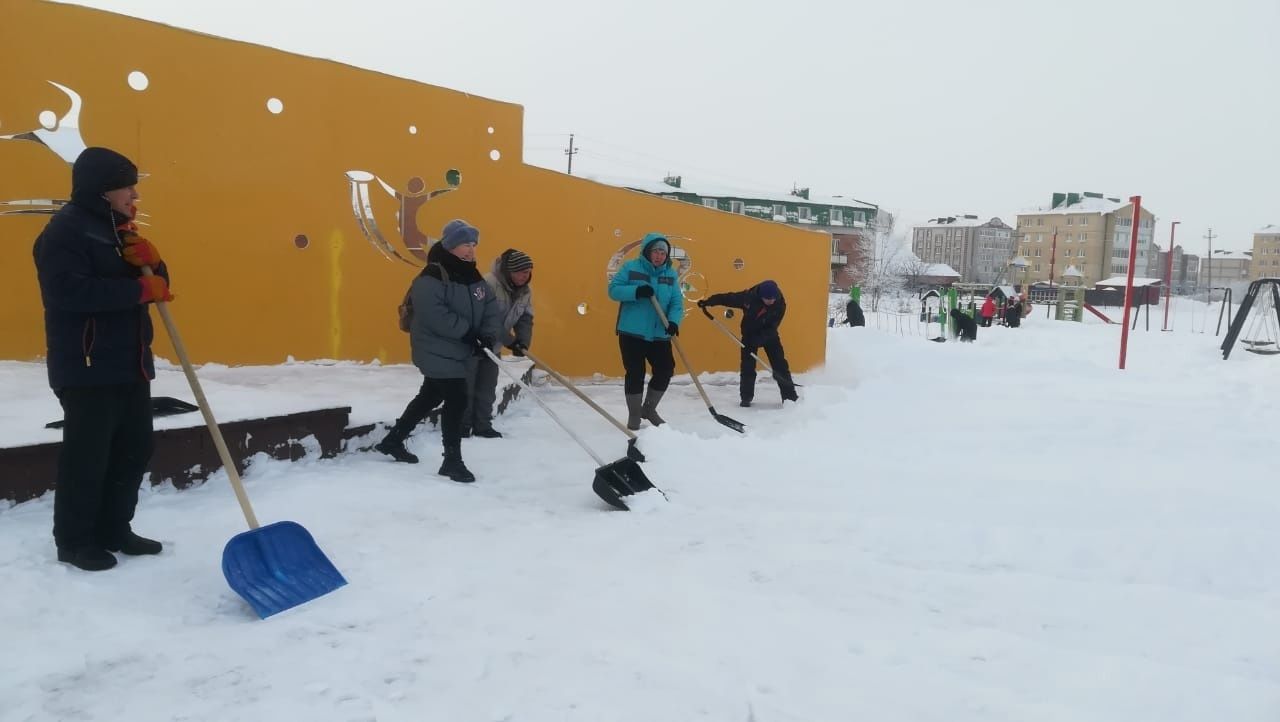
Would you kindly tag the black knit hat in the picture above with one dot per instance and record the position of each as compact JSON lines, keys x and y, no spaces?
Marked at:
{"x":514,"y":261}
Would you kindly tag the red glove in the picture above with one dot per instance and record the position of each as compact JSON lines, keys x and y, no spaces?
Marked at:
{"x":140,"y":252}
{"x":154,"y":288}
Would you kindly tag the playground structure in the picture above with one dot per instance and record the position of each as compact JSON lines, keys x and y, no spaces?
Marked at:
{"x":1260,"y":311}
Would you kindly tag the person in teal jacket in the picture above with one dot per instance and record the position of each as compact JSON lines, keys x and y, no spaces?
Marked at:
{"x":642,"y":337}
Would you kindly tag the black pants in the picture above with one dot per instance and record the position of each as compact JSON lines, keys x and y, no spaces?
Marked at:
{"x":106,"y":446}
{"x":986,"y":321}
{"x":637,"y":351}
{"x":453,"y":392}
{"x":781,"y":370}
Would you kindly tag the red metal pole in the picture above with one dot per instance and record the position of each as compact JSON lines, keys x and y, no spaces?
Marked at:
{"x":1168,"y":276}
{"x":1128,"y":284}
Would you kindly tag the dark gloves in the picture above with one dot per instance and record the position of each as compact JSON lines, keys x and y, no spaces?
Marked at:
{"x":479,"y":343}
{"x":644,"y":290}
{"x":673,"y":329}
{"x":517,"y":348}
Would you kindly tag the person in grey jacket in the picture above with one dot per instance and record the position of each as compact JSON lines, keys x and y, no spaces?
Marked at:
{"x":455,"y":318}
{"x":509,"y":281}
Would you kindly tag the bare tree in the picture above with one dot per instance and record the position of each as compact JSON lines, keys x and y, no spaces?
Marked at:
{"x":914,"y":272}
{"x":878,"y":271}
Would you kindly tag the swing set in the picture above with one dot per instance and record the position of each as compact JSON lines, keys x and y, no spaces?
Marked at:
{"x":1263,"y":334}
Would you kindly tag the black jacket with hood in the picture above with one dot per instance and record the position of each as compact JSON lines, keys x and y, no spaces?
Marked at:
{"x":97,"y":330}
{"x":760,"y":320}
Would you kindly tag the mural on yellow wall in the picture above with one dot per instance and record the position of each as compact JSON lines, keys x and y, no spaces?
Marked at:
{"x":295,"y":199}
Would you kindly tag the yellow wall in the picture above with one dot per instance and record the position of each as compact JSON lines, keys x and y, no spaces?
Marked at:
{"x":232,"y":186}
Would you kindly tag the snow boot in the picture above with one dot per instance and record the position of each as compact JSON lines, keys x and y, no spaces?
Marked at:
{"x":790,"y":394}
{"x":650,"y":409}
{"x":634,"y":405}
{"x":90,"y":559}
{"x":487,"y":432}
{"x":394,"y":448}
{"x":453,"y":466}
{"x":745,"y":403}
{"x":134,"y":545}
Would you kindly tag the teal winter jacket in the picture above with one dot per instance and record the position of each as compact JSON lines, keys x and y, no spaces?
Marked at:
{"x":636,"y":316}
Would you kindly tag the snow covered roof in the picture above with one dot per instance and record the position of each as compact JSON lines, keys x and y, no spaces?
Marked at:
{"x":1137,"y":281}
{"x":959,"y":221}
{"x":1268,"y":229}
{"x":711,"y":190}
{"x":1084,"y":205}
{"x":1233,"y":255}
{"x":938,"y":270}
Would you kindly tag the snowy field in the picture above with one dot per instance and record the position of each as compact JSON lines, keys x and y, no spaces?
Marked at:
{"x":1009,"y":530}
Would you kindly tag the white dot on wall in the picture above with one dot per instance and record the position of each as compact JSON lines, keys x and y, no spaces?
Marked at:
{"x":494,"y":154}
{"x":413,"y":130}
{"x":138,"y":80}
{"x":582,"y":308}
{"x":48,"y":119}
{"x":275,"y":105}
{"x":491,"y":130}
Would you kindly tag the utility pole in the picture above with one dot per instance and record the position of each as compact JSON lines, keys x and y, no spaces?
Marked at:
{"x":1209,"y":260}
{"x":1168,"y":275}
{"x":571,"y":152}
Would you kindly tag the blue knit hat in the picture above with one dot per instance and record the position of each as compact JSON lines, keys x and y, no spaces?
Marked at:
{"x":767,"y":290}
{"x":458,"y":232}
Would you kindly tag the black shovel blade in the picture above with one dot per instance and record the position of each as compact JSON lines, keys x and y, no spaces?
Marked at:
{"x":633,"y":452}
{"x":619,"y":479}
{"x":734,"y":424}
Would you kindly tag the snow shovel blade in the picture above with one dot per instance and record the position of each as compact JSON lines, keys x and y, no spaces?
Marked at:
{"x":618,"y":479}
{"x":633,"y":452}
{"x":277,"y":567}
{"x":734,"y":424}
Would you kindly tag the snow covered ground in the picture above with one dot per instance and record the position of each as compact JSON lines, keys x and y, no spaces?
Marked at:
{"x":1009,"y":530}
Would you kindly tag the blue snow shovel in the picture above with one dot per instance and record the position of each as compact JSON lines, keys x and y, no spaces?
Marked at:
{"x":273,"y":567}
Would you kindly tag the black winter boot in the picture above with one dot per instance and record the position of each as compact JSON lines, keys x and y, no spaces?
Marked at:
{"x":134,"y":545}
{"x":90,"y":559}
{"x":453,"y":466}
{"x":394,"y":448}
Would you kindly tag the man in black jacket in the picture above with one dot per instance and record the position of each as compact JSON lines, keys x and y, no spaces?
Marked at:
{"x":762,"y":310}
{"x":98,"y":335}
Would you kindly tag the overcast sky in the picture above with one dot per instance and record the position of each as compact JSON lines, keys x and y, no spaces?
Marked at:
{"x":924,"y":107}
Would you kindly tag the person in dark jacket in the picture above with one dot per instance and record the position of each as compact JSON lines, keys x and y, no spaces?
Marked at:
{"x":966,"y":327}
{"x":763,"y":308}
{"x":642,"y":337}
{"x":853,"y":314}
{"x":1013,"y":313}
{"x":455,"y":318}
{"x":98,"y":334}
{"x":509,"y":281}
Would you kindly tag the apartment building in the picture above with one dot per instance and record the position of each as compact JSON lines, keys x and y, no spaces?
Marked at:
{"x":978,"y":250}
{"x":1266,"y":253}
{"x":1089,"y":231}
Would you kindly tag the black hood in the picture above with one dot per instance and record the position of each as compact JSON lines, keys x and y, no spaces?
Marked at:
{"x":98,"y":170}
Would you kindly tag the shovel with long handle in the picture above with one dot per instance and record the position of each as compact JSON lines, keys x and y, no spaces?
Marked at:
{"x":612,"y":481}
{"x":273,"y":567}
{"x":632,"y":451}
{"x":735,"y":338}
{"x":741,"y":345}
{"x":734,"y":424}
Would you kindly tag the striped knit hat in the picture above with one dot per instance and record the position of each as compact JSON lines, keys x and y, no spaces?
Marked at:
{"x":514,"y":261}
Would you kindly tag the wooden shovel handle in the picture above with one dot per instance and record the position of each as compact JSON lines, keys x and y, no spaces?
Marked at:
{"x":207,"y":412}
{"x":683,"y":359}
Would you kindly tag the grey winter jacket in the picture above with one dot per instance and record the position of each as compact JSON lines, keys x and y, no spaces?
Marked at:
{"x":515,"y":307}
{"x":448,"y":308}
